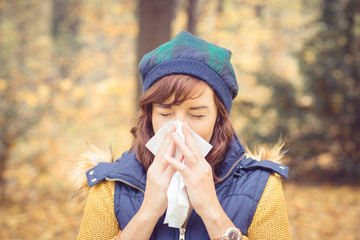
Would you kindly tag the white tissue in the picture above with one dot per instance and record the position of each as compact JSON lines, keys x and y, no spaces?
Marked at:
{"x":178,"y":201}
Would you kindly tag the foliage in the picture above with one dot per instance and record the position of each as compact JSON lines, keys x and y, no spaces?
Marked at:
{"x":67,"y":77}
{"x":331,"y":65}
{"x":25,"y":92}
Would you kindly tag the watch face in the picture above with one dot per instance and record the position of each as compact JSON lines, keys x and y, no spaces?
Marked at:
{"x":233,"y":235}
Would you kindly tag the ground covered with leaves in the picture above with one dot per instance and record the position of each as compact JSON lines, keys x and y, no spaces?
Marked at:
{"x":323,"y":211}
{"x":40,"y":206}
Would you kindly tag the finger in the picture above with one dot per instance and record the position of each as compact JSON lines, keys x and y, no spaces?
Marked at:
{"x":180,"y":157}
{"x":179,"y":166}
{"x":166,"y":141}
{"x":193,"y":154}
{"x":164,"y":145}
{"x":170,"y":150}
{"x":190,"y":140}
{"x":188,"y":154}
{"x":169,"y":171}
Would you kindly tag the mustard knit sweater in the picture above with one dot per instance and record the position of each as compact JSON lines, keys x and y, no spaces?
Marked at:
{"x":270,"y":220}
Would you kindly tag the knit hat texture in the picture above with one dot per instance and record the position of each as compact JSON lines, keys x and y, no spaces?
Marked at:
{"x":190,"y":55}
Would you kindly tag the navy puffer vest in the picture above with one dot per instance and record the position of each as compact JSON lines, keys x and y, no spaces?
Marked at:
{"x":242,"y":182}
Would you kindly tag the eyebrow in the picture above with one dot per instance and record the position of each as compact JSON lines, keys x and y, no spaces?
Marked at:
{"x":192,"y":108}
{"x":199,"y":107}
{"x":164,"y":105}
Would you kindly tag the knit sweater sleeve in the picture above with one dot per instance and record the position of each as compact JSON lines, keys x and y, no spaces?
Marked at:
{"x":99,"y":221}
{"x":270,"y":220}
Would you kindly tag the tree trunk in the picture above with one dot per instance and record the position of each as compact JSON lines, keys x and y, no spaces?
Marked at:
{"x":220,"y":7}
{"x":65,"y":28}
{"x":4,"y":154}
{"x":155,"y":28}
{"x":192,"y":16}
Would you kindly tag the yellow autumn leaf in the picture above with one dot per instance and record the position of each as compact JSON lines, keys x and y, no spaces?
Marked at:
{"x":43,"y":91}
{"x":65,"y":84}
{"x":28,"y":97}
{"x":78,"y":93}
{"x":3,"y":85}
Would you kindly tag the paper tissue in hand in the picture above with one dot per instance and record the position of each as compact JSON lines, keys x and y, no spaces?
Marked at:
{"x":178,"y":201}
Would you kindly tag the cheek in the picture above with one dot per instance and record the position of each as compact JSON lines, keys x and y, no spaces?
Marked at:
{"x":207,"y":134}
{"x":157,"y":123}
{"x":204,"y":130}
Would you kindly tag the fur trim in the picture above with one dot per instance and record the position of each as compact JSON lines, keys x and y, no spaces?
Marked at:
{"x":275,"y":154}
{"x":86,"y":161}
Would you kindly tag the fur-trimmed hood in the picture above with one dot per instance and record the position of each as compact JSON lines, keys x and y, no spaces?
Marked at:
{"x":85,"y":161}
{"x":95,"y":155}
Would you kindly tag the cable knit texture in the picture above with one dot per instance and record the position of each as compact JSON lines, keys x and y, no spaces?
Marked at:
{"x":99,"y":221}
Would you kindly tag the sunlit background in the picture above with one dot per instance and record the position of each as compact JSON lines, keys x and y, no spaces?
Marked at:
{"x":68,"y":77}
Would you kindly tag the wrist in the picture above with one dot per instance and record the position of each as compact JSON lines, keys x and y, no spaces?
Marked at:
{"x":231,"y":234}
{"x":216,"y":221}
{"x":141,"y":225}
{"x":149,"y":213}
{"x":149,"y":209}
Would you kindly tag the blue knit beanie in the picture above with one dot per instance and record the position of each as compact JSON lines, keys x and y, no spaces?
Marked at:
{"x":189,"y":55}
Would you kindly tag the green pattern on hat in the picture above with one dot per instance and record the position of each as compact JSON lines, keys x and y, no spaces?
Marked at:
{"x":186,"y":54}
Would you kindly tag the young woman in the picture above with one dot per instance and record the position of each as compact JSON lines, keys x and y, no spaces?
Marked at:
{"x":231,"y":195}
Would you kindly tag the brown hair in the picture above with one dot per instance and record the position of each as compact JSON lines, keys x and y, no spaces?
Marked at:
{"x":182,"y":87}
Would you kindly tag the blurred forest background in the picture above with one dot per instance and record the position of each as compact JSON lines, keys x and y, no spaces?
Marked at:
{"x":68,"y":77}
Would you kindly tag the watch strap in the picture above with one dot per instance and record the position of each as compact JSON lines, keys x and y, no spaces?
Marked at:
{"x":225,"y":236}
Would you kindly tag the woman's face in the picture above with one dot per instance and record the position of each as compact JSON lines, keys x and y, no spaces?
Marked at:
{"x":199,"y":113}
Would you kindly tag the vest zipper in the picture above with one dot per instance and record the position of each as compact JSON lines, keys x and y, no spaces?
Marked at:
{"x":182,"y":234}
{"x":131,"y":185}
{"x":228,"y":173}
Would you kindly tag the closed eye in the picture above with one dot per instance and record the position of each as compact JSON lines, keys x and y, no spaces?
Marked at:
{"x":197,"y":116}
{"x":165,"y":114}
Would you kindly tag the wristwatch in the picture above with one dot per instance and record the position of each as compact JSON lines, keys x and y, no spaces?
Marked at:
{"x":231,"y":234}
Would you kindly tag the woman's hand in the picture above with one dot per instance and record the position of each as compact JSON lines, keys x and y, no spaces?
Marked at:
{"x":155,"y":199}
{"x":199,"y":181}
{"x":158,"y":179}
{"x":197,"y":173}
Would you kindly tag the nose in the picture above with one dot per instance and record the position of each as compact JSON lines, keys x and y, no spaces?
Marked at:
{"x":180,"y":117}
